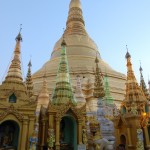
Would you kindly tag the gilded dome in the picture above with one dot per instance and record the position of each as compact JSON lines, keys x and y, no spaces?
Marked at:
{"x":81,"y":52}
{"x":79,"y":45}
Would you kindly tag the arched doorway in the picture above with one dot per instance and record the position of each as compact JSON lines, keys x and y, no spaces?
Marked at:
{"x":68,"y":133}
{"x":9,"y":134}
{"x":123,"y":140}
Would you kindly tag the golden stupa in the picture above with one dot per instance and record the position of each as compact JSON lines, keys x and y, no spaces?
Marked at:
{"x":81,"y":53}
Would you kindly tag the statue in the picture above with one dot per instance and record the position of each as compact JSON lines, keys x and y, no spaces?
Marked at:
{"x":51,"y":139}
{"x":5,"y":140}
{"x":134,"y":109}
{"x":116,"y":111}
{"x":99,"y":144}
{"x":140,"y":145}
{"x":84,"y":137}
{"x":33,"y":141}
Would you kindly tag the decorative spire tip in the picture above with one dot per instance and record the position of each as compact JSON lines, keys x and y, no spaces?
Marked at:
{"x":148,"y":80}
{"x":127,"y":54}
{"x":96,"y":59}
{"x":63,"y":40}
{"x":75,"y":3}
{"x":30,"y":64}
{"x":140,"y":69}
{"x":19,"y":37}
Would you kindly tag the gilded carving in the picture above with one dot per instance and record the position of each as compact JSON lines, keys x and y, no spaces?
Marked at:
{"x":11,"y":110}
{"x":61,"y":110}
{"x":134,"y":109}
{"x":51,"y":138}
{"x":140,"y":145}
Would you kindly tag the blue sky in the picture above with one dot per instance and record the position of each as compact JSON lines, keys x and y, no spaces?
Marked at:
{"x":111,"y":23}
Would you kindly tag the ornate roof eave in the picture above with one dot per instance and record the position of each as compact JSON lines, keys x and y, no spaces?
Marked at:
{"x":61,"y":110}
{"x":19,"y":92}
{"x":30,"y":105}
{"x":131,"y":101}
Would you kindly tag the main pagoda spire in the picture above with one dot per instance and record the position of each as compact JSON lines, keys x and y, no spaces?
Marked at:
{"x":75,"y":22}
{"x":63,"y":91}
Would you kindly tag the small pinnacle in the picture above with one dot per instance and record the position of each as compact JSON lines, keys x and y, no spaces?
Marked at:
{"x":127,"y":54}
{"x":19,"y":37}
{"x":20,"y":27}
{"x":106,"y":73}
{"x":96,"y":59}
{"x":148,"y":80}
{"x":127,"y":47}
{"x":30,"y":64}
{"x":44,"y":76}
{"x":63,"y":41}
{"x":140,"y":69}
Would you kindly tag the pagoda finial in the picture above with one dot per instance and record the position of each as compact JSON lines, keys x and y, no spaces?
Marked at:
{"x":127,"y":54}
{"x":149,"y":85}
{"x":63,"y":43}
{"x":43,"y":98}
{"x":142,"y":83}
{"x":96,"y":59}
{"x":14,"y":72}
{"x":29,"y":82}
{"x":75,"y":3}
{"x":63,"y":93}
{"x":134,"y":93}
{"x":13,"y":80}
{"x":19,"y":37}
{"x":98,"y":84}
{"x":140,"y":69}
{"x":44,"y":79}
{"x":75,"y":22}
{"x":149,"y":82}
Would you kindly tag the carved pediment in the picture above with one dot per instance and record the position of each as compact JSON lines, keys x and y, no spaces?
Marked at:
{"x":61,"y":110}
{"x":11,"y":110}
{"x":13,"y":91}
